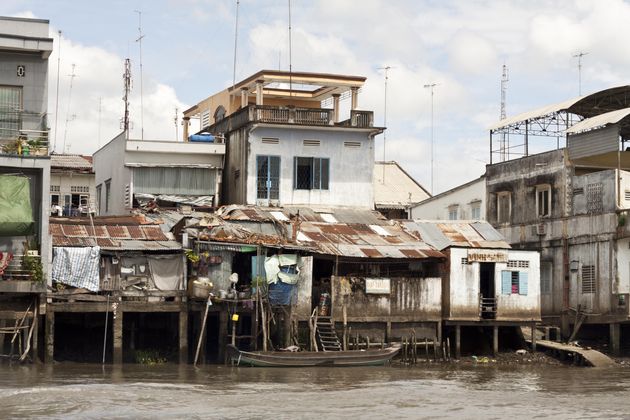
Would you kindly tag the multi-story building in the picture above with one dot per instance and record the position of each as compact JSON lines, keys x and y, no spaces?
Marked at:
{"x":287,"y":143}
{"x":464,"y":202}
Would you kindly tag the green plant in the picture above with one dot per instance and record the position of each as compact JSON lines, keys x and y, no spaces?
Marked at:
{"x":621,"y":220}
{"x":33,"y":264}
{"x":192,"y":256}
{"x":149,"y":357}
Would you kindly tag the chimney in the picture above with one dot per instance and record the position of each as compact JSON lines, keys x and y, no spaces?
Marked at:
{"x":186,"y":124}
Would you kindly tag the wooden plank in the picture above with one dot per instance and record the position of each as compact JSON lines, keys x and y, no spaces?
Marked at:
{"x":592,"y":357}
{"x":125,"y":306}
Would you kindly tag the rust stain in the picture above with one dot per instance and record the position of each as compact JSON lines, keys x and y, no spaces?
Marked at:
{"x":411,"y":253}
{"x":371,"y":252}
{"x":136,"y":232}
{"x":154,"y":233}
{"x":118,"y":232}
{"x":73,"y":230}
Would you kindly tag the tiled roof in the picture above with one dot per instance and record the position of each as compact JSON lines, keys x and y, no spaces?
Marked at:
{"x":77,"y":162}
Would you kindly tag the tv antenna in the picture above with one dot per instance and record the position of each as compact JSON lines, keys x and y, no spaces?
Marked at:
{"x":126,"y":90}
{"x":579,"y":57}
{"x":139,"y":41}
{"x":235,"y":44}
{"x":176,"y":127}
{"x":68,"y":116}
{"x":290,"y":55}
{"x":386,"y":70}
{"x":431,"y":86}
{"x":504,"y":146}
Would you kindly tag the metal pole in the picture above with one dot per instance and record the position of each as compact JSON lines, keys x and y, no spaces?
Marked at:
{"x":431,"y":86}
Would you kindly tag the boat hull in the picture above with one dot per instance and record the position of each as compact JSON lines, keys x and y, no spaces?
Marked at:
{"x":311,"y":359}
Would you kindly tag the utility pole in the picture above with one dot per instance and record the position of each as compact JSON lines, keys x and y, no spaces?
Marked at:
{"x":139,"y":41}
{"x":176,"y":127}
{"x":235,"y":44}
{"x":57,"y":94}
{"x":579,"y":57}
{"x":386,"y":71}
{"x":127,"y":89}
{"x":68,"y":116}
{"x":431,"y":86}
{"x":504,"y":147}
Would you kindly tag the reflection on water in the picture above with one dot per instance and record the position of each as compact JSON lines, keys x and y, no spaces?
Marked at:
{"x":88,"y":391}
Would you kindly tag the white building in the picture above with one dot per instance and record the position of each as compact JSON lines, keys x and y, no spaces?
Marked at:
{"x":286,"y":142}
{"x":128,"y":171}
{"x":72,"y":186}
{"x":465,"y":202}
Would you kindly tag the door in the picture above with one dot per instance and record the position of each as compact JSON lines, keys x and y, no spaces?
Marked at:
{"x":487,"y":295}
{"x":268,"y":179}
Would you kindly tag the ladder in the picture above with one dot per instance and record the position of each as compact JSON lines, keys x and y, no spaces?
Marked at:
{"x":326,"y":334}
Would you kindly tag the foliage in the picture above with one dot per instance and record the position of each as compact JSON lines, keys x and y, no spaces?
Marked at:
{"x":34,"y":266}
{"x":192,"y":256}
{"x":149,"y":357}
{"x":622,"y":220}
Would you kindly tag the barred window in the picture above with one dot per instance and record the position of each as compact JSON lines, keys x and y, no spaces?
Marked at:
{"x":518,"y":264}
{"x":588,"y":279}
{"x":311,"y":173}
{"x":10,"y":108}
{"x":55,"y":188}
{"x":268,"y":177}
{"x":79,"y":189}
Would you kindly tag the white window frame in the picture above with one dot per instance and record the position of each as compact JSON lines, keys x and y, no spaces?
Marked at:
{"x":453,"y":212}
{"x":475,"y":206}
{"x":541,"y":211}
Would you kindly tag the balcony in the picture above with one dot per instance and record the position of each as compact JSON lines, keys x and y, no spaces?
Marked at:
{"x":20,"y":275}
{"x":290,"y":115}
{"x":23,"y":133}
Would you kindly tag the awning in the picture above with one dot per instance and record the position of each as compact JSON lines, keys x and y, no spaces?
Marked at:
{"x":599,"y":121}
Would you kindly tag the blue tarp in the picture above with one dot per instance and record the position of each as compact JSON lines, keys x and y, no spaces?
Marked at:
{"x":281,"y":293}
{"x":204,"y":138}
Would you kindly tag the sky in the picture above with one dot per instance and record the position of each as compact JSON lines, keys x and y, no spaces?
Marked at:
{"x":461,"y":46}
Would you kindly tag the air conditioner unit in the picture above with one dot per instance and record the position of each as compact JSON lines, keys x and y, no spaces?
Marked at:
{"x":541,"y":229}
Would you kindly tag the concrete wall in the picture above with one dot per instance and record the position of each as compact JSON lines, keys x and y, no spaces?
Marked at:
{"x":462,"y":301}
{"x":410,"y":299}
{"x":350,"y":168}
{"x":65,"y":180}
{"x":464,"y":197}
{"x":108,"y":164}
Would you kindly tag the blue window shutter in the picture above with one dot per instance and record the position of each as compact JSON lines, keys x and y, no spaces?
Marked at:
{"x":506,"y":282}
{"x":522,"y":283}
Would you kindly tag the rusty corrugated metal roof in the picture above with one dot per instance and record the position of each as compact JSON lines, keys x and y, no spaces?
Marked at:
{"x":443,"y":233}
{"x":356,"y":233}
{"x":74,"y":232}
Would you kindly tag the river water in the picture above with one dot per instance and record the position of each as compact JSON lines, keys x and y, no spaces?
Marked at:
{"x":423,"y":391}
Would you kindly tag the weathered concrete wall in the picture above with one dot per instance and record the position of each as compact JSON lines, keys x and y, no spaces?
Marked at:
{"x":519,"y":307}
{"x":235,"y":173}
{"x":410,"y":299}
{"x":108,"y":164}
{"x":350,"y":174}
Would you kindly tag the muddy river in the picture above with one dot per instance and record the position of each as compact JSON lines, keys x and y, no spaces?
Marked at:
{"x":171,"y":391}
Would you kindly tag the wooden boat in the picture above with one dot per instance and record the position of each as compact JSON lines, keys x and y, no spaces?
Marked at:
{"x":310,"y":358}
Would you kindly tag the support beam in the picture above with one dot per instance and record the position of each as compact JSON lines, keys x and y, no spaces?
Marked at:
{"x":118,"y":337}
{"x":495,"y":340}
{"x":458,"y":340}
{"x":615,"y":338}
{"x":335,"y":97}
{"x":183,"y":337}
{"x":259,"y":92}
{"x":244,"y":97}
{"x":50,"y":337}
{"x":223,"y":334}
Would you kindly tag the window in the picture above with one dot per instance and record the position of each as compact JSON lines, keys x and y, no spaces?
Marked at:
{"x":513,"y":283}
{"x":79,"y":189}
{"x":504,"y":207}
{"x":10,"y":108}
{"x":452,"y":212}
{"x":268,"y":177}
{"x":594,"y":203}
{"x":546,"y":273}
{"x":107,"y":193}
{"x":98,"y":196}
{"x":311,"y":173}
{"x":55,"y":188}
{"x":54,"y":199}
{"x":475,"y":210}
{"x":518,"y":264}
{"x":543,"y":200}
{"x":588,"y":279}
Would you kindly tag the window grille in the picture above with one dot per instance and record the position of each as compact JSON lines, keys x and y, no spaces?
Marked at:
{"x":10,"y":108}
{"x":311,"y":173}
{"x":270,"y":140}
{"x":594,"y":203}
{"x":352,"y":144}
{"x":546,"y":274}
{"x":268,"y":177}
{"x":311,"y":142}
{"x":518,"y":264}
{"x":627,"y":195}
{"x":588,"y":279}
{"x":55,"y":188}
{"x":79,"y":189}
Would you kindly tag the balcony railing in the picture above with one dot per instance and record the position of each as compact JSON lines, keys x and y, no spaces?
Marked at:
{"x":23,"y":133}
{"x":16,"y":269}
{"x":289,"y":115}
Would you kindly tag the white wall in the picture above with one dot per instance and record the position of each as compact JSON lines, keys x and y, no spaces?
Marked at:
{"x":351,"y":169}
{"x":108,"y":163}
{"x":66,"y":180}
{"x":436,"y":208}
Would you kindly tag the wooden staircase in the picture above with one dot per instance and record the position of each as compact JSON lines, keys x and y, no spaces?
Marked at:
{"x":326,"y":334}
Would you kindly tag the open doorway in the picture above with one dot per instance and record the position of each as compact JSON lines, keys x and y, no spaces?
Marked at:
{"x":487,"y":304}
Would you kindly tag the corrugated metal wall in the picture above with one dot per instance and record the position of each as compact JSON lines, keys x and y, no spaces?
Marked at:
{"x":180,"y":181}
{"x":595,"y":142}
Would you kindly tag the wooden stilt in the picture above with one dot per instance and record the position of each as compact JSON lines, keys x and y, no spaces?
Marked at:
{"x":118,"y":337}
{"x":223,"y":334}
{"x":183,"y":337}
{"x":50,"y":336}
{"x":202,"y":330}
{"x":495,"y":340}
{"x":533,"y":331}
{"x":458,"y":341}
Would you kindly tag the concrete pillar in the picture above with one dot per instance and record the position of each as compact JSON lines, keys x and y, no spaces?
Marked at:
{"x":183,"y":337}
{"x":50,"y":336}
{"x":259,"y":92}
{"x":615,"y":338}
{"x":186,"y":125}
{"x":244,"y":97}
{"x":335,"y":107}
{"x":458,"y":339}
{"x":203,"y":338}
{"x":533,"y":331}
{"x":118,"y":337}
{"x":354,"y":98}
{"x":35,"y":343}
{"x":495,"y":340}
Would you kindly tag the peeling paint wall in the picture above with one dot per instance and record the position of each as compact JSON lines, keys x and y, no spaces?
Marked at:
{"x":410,"y":299}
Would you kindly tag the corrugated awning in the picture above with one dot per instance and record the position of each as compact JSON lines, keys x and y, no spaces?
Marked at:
{"x":534,"y":114}
{"x":599,"y":121}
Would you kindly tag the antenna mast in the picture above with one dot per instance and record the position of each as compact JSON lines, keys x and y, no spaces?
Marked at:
{"x":68,"y":116}
{"x":176,"y":127}
{"x":139,"y":41}
{"x":100,"y":108}
{"x":579,"y":57}
{"x":57,"y":94}
{"x":387,"y":69}
{"x":235,"y":44}
{"x":127,"y":89}
{"x":504,"y":146}
{"x":290,"y":55}
{"x":431,"y":86}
